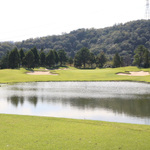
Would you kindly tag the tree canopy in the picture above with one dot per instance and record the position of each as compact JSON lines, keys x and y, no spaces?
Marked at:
{"x":13,"y":59}
{"x":117,"y":61}
{"x":120,"y":38}
{"x":62,"y":57}
{"x":141,"y":57}
{"x":29,"y":59}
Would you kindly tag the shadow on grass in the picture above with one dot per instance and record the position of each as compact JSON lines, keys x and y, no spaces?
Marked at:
{"x":29,"y":69}
{"x":57,"y":67}
{"x":87,"y":68}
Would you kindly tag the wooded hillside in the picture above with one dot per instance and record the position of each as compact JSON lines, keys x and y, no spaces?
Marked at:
{"x":122,"y":38}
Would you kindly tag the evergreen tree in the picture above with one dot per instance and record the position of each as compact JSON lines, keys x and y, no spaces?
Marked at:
{"x":56,"y":57}
{"x":24,"y":63}
{"x":36,"y":56}
{"x":82,"y":57}
{"x":13,"y":59}
{"x":117,"y":61}
{"x":146,"y":59}
{"x":85,"y":55}
{"x":4,"y":61}
{"x":122,"y":61}
{"x":22,"y":55}
{"x":42,"y":59}
{"x":101,"y":60}
{"x":29,"y":59}
{"x":72,"y":54}
{"x":141,"y":57}
{"x":70,"y":61}
{"x":77,"y":60}
{"x":62,"y":57}
{"x":92,"y":59}
{"x":50,"y":59}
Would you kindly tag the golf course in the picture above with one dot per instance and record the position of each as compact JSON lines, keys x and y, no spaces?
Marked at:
{"x":72,"y":74}
{"x":21,"y":132}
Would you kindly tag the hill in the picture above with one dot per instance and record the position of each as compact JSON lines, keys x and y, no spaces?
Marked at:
{"x":121,"y":38}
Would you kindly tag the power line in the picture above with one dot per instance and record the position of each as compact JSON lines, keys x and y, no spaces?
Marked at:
{"x":147,"y":12}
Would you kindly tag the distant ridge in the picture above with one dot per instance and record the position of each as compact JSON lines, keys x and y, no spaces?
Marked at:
{"x":121,"y":38}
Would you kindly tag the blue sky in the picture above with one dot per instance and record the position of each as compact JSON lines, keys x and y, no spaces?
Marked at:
{"x":24,"y":19}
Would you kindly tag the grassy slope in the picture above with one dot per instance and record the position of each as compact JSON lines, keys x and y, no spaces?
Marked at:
{"x":72,"y":74}
{"x":44,"y":133}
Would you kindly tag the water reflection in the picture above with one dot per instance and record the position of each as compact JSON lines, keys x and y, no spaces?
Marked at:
{"x":15,"y":100}
{"x":33,"y":100}
{"x":137,"y":108}
{"x":97,"y":99}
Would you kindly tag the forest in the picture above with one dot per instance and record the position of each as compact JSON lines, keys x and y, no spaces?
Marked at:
{"x":83,"y":59}
{"x":120,"y":39}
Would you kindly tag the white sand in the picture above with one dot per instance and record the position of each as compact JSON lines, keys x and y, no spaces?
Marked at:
{"x":140,"y":73}
{"x":44,"y":72}
{"x":41,"y":73}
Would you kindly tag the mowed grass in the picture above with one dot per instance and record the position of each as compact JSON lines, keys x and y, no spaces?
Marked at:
{"x":72,"y":74}
{"x":45,"y":133}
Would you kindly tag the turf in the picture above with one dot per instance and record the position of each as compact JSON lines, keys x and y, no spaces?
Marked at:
{"x":72,"y":74}
{"x":44,"y":133}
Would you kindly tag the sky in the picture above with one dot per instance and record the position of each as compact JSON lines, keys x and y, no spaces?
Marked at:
{"x":24,"y":19}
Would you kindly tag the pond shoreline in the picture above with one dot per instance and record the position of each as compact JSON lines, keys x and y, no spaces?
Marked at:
{"x":3,"y":84}
{"x":78,"y":119}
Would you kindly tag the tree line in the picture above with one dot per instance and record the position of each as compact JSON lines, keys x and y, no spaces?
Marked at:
{"x":84,"y":58}
{"x":121,"y":38}
{"x":32,"y":58}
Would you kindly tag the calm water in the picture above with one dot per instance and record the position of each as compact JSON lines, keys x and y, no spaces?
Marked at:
{"x":127,"y":102}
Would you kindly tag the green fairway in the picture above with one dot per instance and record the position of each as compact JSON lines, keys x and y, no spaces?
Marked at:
{"x":72,"y":74}
{"x":44,"y":133}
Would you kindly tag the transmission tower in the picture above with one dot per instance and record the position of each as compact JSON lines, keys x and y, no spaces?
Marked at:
{"x":147,"y":13}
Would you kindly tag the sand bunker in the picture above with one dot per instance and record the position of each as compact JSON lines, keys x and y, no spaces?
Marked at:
{"x":41,"y":73}
{"x":140,"y":73}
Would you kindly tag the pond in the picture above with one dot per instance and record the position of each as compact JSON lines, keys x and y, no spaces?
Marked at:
{"x":127,"y":102}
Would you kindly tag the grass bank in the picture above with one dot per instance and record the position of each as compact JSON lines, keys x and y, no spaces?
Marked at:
{"x":72,"y":74}
{"x":44,"y":133}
